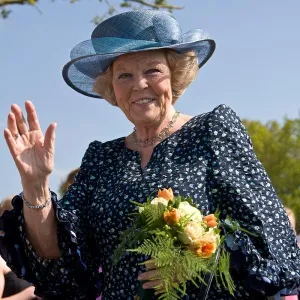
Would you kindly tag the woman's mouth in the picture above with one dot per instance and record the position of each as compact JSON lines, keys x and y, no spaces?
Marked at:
{"x":144,"y":101}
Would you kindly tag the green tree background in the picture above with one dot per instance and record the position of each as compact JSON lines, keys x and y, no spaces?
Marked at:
{"x":278,"y":148}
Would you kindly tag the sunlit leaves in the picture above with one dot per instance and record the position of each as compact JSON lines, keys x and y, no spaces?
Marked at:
{"x":277,"y":146}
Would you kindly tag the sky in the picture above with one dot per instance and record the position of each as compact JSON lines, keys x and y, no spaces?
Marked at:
{"x":255,"y":70}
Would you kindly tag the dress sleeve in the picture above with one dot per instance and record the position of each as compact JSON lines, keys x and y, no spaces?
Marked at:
{"x":75,"y":274}
{"x":269,"y":261}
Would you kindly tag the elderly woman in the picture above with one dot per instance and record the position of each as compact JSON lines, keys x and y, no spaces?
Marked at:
{"x":140,"y":62}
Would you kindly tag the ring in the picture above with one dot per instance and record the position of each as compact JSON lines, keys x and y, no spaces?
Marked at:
{"x":16,"y":136}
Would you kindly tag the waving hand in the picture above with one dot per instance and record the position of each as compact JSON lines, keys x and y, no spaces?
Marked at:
{"x":32,"y":151}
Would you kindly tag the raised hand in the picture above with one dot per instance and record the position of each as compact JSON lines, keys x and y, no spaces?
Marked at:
{"x":32,"y":151}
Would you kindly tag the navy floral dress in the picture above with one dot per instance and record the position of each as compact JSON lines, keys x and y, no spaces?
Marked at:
{"x":209,"y":159}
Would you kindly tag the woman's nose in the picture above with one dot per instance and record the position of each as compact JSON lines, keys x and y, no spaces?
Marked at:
{"x":140,"y":83}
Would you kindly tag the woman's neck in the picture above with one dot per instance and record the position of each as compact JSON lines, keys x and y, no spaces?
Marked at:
{"x":146,"y":132}
{"x":146,"y":152}
{"x":133,"y":144}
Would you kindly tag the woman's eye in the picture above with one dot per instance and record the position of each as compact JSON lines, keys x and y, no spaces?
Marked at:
{"x":124,"y":75}
{"x":150,"y":71}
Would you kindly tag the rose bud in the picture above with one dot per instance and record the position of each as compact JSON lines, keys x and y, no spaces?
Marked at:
{"x":166,"y":194}
{"x":211,"y":220}
{"x":172,"y":217}
{"x":206,"y":250}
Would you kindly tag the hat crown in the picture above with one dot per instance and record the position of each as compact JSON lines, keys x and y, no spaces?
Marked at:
{"x":130,"y":32}
{"x":149,"y":25}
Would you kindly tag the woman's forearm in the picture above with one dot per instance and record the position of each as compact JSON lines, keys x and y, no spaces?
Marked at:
{"x":40,"y":224}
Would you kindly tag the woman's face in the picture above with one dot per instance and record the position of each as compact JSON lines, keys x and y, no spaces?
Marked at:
{"x":142,"y":86}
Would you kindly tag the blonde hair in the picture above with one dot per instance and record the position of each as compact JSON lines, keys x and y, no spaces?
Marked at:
{"x":6,"y":204}
{"x":183,"y":66}
{"x":69,"y":180}
{"x":291,"y":216}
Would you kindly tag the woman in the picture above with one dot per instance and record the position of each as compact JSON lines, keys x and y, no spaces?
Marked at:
{"x":140,"y":62}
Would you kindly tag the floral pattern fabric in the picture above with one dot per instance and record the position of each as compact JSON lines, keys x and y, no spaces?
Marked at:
{"x":209,"y":159}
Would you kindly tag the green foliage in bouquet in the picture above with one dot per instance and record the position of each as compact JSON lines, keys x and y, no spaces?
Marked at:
{"x":184,"y":244}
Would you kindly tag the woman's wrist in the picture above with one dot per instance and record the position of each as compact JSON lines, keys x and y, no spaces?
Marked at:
{"x":37,"y":193}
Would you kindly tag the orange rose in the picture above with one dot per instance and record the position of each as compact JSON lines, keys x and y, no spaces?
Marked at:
{"x":211,"y":220}
{"x":206,"y":244}
{"x":206,"y":250}
{"x":166,"y":193}
{"x":172,"y":217}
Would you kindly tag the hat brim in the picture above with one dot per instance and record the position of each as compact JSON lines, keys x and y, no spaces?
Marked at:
{"x":84,"y":67}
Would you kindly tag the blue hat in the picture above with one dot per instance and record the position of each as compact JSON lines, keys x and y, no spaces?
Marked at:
{"x":129,"y":32}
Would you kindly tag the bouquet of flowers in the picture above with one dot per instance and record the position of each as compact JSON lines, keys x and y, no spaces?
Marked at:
{"x":184,"y":244}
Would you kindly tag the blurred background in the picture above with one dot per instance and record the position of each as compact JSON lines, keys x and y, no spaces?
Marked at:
{"x":255,"y":70}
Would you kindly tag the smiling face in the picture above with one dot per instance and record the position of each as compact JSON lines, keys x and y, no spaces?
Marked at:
{"x":142,"y":86}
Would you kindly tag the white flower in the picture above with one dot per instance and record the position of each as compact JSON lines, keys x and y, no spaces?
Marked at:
{"x":161,"y":200}
{"x":192,"y":232}
{"x":207,"y":244}
{"x":155,"y":201}
{"x":211,"y":237}
{"x":192,"y":212}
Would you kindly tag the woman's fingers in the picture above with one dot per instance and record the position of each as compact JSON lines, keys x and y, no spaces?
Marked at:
{"x":20,"y":120}
{"x":11,"y":124}
{"x":10,"y":141}
{"x":150,"y":265}
{"x":152,"y":278}
{"x":159,"y":291}
{"x":32,"y":118}
{"x":49,"y":139}
{"x":16,"y":121}
{"x":154,"y":284}
{"x":149,"y":275}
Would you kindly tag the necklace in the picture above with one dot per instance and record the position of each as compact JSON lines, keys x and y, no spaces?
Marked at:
{"x":164,"y":133}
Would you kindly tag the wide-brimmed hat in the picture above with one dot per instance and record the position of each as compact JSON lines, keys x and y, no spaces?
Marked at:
{"x":130,"y":32}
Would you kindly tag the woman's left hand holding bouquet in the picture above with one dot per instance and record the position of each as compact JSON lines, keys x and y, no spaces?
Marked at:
{"x":151,"y":277}
{"x":181,"y":241}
